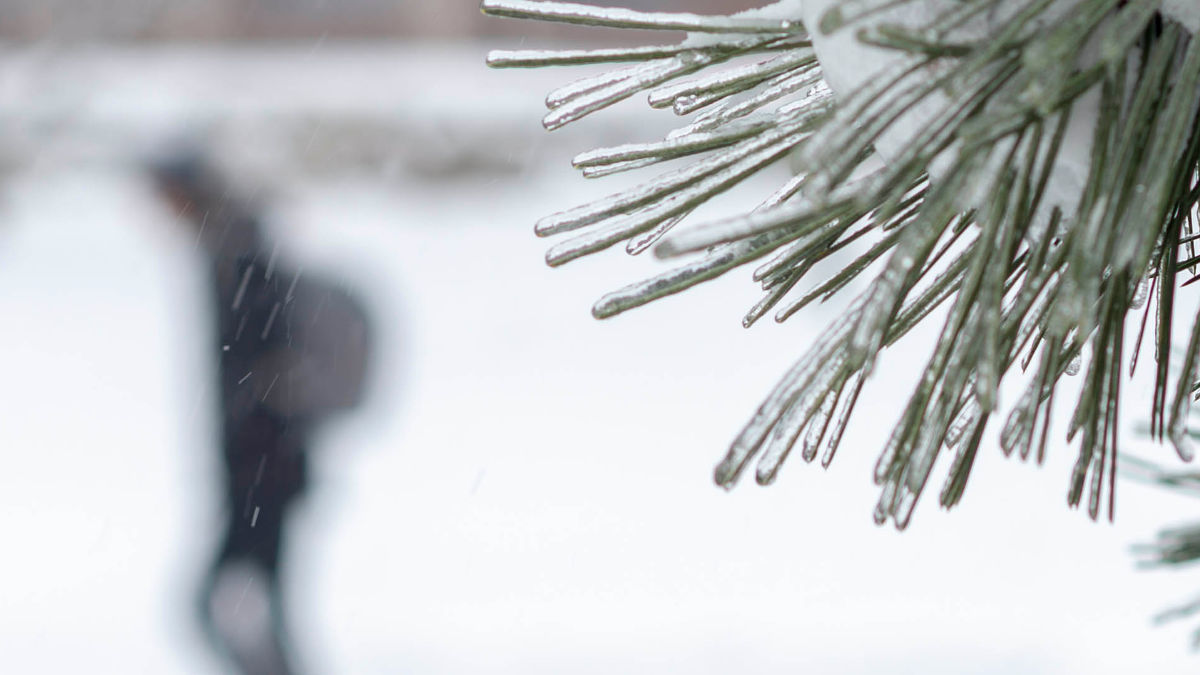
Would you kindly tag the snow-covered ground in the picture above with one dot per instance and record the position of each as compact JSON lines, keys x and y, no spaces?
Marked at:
{"x":530,"y":490}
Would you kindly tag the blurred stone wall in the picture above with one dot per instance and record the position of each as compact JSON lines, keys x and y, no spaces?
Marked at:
{"x":279,"y":20}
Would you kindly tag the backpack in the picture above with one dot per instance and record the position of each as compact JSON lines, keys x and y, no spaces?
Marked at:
{"x":324,"y":351}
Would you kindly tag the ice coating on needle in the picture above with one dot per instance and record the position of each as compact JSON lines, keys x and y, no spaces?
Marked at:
{"x":784,"y":10}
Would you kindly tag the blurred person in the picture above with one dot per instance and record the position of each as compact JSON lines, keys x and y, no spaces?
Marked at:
{"x":293,"y":350}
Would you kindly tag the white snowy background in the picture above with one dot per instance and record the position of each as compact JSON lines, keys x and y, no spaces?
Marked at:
{"x":530,"y":490}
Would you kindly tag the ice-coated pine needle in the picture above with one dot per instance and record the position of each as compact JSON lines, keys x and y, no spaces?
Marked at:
{"x":615,"y":17}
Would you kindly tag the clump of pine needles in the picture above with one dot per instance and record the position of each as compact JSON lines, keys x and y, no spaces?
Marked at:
{"x":1175,"y":546}
{"x":1040,"y":286}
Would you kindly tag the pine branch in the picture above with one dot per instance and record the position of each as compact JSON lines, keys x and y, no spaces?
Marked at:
{"x":1039,"y":175}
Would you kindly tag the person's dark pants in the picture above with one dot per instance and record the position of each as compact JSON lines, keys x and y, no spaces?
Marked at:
{"x":265,"y":471}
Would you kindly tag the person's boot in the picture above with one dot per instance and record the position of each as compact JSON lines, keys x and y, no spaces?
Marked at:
{"x":241,"y":615}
